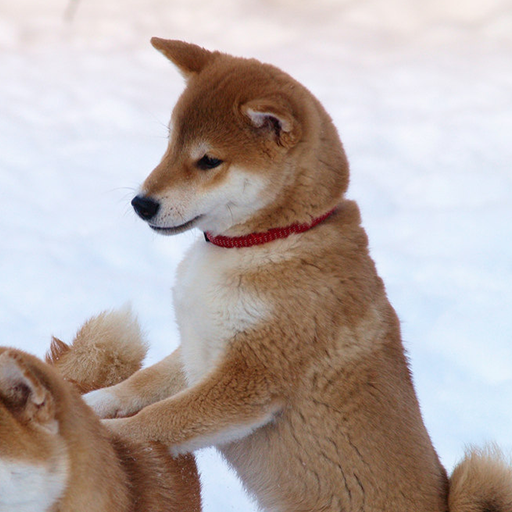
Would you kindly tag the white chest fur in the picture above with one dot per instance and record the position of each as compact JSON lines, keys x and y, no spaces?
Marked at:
{"x":213,"y":304}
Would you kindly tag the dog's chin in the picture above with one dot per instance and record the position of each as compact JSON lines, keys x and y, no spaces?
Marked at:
{"x":175,"y":230}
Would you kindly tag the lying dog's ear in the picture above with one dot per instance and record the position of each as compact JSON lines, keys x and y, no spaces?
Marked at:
{"x":25,"y":393}
{"x":58,"y":349}
{"x":189,"y":58}
{"x":274,"y":119}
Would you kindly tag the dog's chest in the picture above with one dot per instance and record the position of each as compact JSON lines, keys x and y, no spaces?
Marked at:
{"x":213,"y":301}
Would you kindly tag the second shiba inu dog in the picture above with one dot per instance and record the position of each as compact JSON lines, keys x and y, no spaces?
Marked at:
{"x":56,"y":456}
{"x":291,"y":361}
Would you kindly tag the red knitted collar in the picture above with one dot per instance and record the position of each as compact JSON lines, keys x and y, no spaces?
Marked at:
{"x":263,"y":238}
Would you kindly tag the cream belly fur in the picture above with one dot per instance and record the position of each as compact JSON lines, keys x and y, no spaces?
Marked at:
{"x":291,"y":359}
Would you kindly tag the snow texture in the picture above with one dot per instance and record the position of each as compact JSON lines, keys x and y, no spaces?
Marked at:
{"x":421,"y":93}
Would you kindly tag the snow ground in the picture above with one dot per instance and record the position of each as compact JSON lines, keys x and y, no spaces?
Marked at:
{"x":422,"y":95}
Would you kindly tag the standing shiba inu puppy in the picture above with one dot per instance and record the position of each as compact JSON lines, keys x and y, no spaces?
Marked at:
{"x":56,"y":456}
{"x":291,"y":361}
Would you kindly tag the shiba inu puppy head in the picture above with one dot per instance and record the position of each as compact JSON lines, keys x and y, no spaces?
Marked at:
{"x":33,"y":455}
{"x":249,"y":149}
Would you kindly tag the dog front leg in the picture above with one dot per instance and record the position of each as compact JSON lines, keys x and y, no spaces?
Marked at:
{"x":229,"y":404}
{"x":143,"y":388}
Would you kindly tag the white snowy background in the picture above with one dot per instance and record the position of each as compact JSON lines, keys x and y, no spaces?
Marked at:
{"x":421,"y":93}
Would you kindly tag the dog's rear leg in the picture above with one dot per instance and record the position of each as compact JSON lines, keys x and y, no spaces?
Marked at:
{"x":143,"y":388}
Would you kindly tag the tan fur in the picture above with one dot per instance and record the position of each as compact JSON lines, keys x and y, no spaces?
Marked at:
{"x":44,"y":423}
{"x":106,"y":350}
{"x":300,"y":378}
{"x":150,"y":385}
{"x":481,"y":482}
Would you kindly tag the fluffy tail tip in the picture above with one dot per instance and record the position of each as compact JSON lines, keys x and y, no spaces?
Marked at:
{"x":481,"y":482}
{"x":107,"y":349}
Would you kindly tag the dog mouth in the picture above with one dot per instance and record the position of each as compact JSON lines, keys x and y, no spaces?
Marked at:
{"x":174,"y":230}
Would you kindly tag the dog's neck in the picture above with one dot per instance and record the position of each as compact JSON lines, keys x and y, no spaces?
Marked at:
{"x":264,"y":237}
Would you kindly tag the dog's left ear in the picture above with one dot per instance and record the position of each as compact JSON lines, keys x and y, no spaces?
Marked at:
{"x":273,"y":119}
{"x":189,"y":58}
{"x":25,"y":393}
{"x":58,"y":349}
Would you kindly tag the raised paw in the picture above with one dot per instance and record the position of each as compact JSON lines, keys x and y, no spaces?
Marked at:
{"x":106,"y":404}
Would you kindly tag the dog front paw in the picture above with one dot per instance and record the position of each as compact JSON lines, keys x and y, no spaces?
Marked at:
{"x":104,"y":403}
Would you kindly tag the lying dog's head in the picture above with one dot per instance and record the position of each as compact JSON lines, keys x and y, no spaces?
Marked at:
{"x":33,"y":453}
{"x":249,"y":148}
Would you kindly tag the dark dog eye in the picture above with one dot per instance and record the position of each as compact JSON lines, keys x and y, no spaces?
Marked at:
{"x":208,"y":162}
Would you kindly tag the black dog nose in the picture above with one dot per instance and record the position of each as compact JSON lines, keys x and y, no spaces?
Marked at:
{"x":145,"y":207}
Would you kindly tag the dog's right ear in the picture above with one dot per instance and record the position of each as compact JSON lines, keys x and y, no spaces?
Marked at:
{"x":275,"y":119}
{"x":26,"y":395}
{"x":189,"y":58}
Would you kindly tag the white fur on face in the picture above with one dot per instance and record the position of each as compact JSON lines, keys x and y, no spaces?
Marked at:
{"x":234,"y":202}
{"x":220,"y":207}
{"x":26,"y":487}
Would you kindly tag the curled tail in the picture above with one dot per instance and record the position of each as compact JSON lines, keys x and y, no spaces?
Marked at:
{"x":107,"y":349}
{"x":482,"y":482}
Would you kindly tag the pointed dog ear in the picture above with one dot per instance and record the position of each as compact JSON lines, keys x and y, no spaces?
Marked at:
{"x":275,"y":119}
{"x":25,"y":393}
{"x":58,"y":349}
{"x":189,"y":58}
